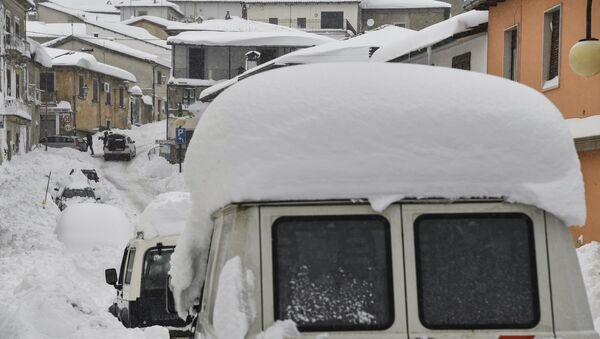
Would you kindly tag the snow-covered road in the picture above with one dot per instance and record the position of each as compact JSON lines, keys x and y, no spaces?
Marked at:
{"x":48,"y":290}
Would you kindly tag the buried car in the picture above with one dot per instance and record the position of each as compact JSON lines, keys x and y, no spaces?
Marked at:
{"x":381,"y":208}
{"x":75,"y":192}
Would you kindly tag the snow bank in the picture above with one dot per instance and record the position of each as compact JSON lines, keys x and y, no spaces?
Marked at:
{"x":281,"y":330}
{"x":165,"y":215}
{"x":89,"y":225}
{"x":274,"y":38}
{"x":361,"y":133}
{"x":589,"y":259}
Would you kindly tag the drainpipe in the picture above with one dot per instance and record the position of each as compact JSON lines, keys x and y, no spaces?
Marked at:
{"x":429,"y":55}
{"x":154,"y":92}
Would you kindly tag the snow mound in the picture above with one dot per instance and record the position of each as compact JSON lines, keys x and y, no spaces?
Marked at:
{"x":361,"y":133}
{"x":589,"y":259}
{"x":282,"y":329}
{"x":90,"y":225}
{"x":165,"y":215}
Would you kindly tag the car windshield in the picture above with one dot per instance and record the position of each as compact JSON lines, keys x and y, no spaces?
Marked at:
{"x":157,"y":264}
{"x":71,"y":193}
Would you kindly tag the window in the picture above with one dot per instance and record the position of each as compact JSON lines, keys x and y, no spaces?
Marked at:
{"x":273,"y":21}
{"x":8,"y":24}
{"x":189,"y":96}
{"x":121,"y":97}
{"x":129,"y":269}
{"x":476,"y":271}
{"x":301,"y":22}
{"x":157,"y":264}
{"x":122,"y":268}
{"x":8,"y":82}
{"x":81,"y":86}
{"x":551,"y":47}
{"x":17,"y":85}
{"x":462,"y":61}
{"x":109,"y":96}
{"x":351,"y":290}
{"x":95,"y":90}
{"x":400,"y":25}
{"x":511,"y":43}
{"x":159,"y":79}
{"x":142,"y":13}
{"x":332,"y":20}
{"x":17,"y":28}
{"x":196,"y":63}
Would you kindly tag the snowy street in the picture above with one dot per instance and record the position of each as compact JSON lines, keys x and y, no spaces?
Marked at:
{"x":49,"y":290}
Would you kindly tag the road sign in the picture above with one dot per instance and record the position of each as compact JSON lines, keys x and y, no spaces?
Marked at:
{"x":180,"y":136}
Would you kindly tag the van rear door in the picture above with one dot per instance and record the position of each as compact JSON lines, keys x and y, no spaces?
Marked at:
{"x":476,"y":270}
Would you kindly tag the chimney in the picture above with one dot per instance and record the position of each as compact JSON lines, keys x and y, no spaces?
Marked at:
{"x":252,"y":59}
{"x":227,"y":16}
{"x":244,"y":11}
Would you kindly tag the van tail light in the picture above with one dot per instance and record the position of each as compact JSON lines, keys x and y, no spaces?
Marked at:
{"x":516,"y":337}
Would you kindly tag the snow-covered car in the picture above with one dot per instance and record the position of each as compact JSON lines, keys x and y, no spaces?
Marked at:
{"x":366,"y":206}
{"x":142,"y":277}
{"x":69,"y":195}
{"x":119,"y":146}
{"x":65,"y":141}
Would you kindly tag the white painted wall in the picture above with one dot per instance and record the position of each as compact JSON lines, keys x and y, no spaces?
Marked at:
{"x":443,"y":56}
{"x":161,"y":12}
{"x":311,"y":11}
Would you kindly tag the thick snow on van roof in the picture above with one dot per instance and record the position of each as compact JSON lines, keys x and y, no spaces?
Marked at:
{"x":360,"y":130}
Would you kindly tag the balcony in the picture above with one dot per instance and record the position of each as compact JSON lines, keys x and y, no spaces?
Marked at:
{"x":34,"y":95}
{"x":47,"y":97}
{"x":480,"y":4}
{"x":16,"y":107}
{"x":16,"y":46}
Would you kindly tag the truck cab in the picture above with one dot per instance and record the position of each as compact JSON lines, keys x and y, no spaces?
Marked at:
{"x":140,"y":285}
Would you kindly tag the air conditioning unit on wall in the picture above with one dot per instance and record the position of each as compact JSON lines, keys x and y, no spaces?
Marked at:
{"x":106,"y":87}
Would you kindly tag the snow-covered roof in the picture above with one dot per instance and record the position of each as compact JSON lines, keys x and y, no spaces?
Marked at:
{"x":357,"y":48}
{"x":278,"y":38}
{"x":154,"y":19}
{"x":131,"y":31}
{"x":149,"y":3}
{"x":360,"y":133}
{"x":39,"y":54}
{"x":431,"y":35}
{"x":235,"y":24}
{"x":136,"y":90}
{"x":79,"y":14}
{"x":297,"y":1}
{"x":63,"y":57}
{"x":192,"y":82}
{"x":40,"y":29}
{"x":584,"y":127}
{"x":165,"y":215}
{"x":402,"y":4}
{"x":94,"y":6}
{"x":147,"y":100}
{"x":111,"y":45}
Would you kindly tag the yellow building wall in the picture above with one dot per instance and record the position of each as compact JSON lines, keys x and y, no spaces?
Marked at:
{"x":576,"y":97}
{"x":89,"y":114}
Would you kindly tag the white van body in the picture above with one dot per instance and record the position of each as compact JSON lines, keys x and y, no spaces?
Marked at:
{"x":246,"y":231}
{"x":352,"y":203}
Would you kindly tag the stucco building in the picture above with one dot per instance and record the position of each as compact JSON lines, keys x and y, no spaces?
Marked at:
{"x":529,"y":42}
{"x":159,"y":8}
{"x":414,"y":15}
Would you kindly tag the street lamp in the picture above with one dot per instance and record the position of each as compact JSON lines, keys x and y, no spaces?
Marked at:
{"x":584,"y":56}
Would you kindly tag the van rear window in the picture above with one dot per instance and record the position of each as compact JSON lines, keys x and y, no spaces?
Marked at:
{"x":476,"y":271}
{"x":333,"y":273}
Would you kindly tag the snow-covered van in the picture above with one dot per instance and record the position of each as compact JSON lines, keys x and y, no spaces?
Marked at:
{"x":140,"y":285}
{"x":382,"y":201}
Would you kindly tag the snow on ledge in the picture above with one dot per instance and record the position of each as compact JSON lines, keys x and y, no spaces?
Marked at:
{"x":358,"y":132}
{"x":584,"y":127}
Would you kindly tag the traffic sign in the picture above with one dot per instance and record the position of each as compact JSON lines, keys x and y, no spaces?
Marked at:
{"x":180,"y":136}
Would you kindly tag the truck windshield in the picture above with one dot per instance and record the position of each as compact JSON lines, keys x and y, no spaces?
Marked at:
{"x":156,"y":268}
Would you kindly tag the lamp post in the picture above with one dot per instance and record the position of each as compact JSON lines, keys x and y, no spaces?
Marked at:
{"x":584,"y":56}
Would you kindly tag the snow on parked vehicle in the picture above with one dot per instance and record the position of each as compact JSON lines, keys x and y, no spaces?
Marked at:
{"x":167,"y":214}
{"x":86,"y":225}
{"x":74,"y":189}
{"x":376,"y":175}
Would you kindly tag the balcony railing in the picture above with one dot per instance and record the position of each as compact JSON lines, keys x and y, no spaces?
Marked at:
{"x":13,"y":43}
{"x":16,"y":107}
{"x":34,"y":94}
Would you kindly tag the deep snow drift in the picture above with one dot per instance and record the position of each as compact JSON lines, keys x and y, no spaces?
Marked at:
{"x":49,"y":290}
{"x":361,"y":133}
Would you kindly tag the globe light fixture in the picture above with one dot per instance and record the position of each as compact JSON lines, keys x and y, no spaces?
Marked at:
{"x":584,"y":56}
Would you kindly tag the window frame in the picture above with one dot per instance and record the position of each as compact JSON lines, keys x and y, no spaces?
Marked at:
{"x":331,"y":12}
{"x":268,"y":214}
{"x":547,"y":48}
{"x":410,"y":212}
{"x":95,"y":90}
{"x":146,"y":253}
{"x":511,"y":66}
{"x":273,"y":21}
{"x":129,"y":266}
{"x":532,"y":261}
{"x":301,"y":23}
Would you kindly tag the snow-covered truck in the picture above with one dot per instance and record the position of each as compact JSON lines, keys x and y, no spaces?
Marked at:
{"x":382,"y":201}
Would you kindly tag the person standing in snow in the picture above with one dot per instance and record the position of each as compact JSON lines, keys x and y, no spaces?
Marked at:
{"x":89,"y":142}
{"x":105,"y":139}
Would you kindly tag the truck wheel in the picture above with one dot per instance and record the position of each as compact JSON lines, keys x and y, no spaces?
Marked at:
{"x":125,"y":318}
{"x":113,"y":310}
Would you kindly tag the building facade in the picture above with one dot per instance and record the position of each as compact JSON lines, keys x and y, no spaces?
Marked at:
{"x":529,"y":42}
{"x":412,"y":15}
{"x":162,"y":9}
